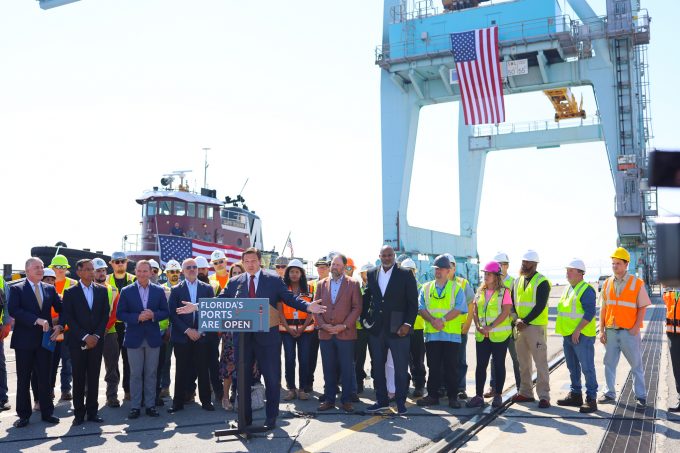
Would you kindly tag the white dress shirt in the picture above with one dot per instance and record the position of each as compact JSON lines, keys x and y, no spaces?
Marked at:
{"x":384,"y":278}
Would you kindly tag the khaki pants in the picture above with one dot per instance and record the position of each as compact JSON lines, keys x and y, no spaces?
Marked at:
{"x":532,"y":343}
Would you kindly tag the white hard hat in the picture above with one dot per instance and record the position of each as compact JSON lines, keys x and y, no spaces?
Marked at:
{"x":154,"y":263}
{"x":49,"y":273}
{"x":173,"y":266}
{"x":217,"y":255}
{"x":577,"y":263}
{"x":366,"y":267}
{"x":501,"y":257}
{"x":296,"y":263}
{"x":408,"y":263}
{"x":450,"y":257}
{"x":530,"y":255}
{"x":98,"y":263}
{"x":201,"y":262}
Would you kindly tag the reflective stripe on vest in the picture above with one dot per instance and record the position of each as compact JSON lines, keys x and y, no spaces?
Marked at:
{"x":296,"y":317}
{"x":670,"y":298}
{"x":113,"y":305}
{"x":570,"y":311}
{"x":508,"y":281}
{"x":438,"y":307}
{"x":112,"y":281}
{"x":462,"y":283}
{"x":488,"y":312}
{"x":525,"y":298}
{"x":419,"y":324}
{"x":621,"y":311}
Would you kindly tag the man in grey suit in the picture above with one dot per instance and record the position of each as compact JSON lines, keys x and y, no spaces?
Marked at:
{"x":141,"y":306}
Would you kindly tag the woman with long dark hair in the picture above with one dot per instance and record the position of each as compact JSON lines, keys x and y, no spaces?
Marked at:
{"x":227,"y":363}
{"x":296,"y":329}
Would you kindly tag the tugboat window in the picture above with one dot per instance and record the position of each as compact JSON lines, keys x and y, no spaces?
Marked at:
{"x":151,"y":208}
{"x":191,"y":210}
{"x":210,"y":213}
{"x":165,"y":207}
{"x":201,"y":211}
{"x":180,"y":208}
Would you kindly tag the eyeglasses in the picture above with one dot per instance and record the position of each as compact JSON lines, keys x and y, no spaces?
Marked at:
{"x":218,"y":262}
{"x":280,"y":266}
{"x":119,"y":261}
{"x":172,"y":272}
{"x":59,"y":267}
{"x":190,"y":267}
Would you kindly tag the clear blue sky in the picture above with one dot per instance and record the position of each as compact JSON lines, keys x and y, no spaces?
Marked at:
{"x":100,"y":98}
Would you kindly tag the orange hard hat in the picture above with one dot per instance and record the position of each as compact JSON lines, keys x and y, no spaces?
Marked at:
{"x":350,"y":262}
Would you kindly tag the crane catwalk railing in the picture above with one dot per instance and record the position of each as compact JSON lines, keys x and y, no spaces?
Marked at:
{"x":531,"y":126}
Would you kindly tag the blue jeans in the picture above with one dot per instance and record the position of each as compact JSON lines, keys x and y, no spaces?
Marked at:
{"x":581,"y":358}
{"x":303,"y":345}
{"x":336,"y":352}
{"x":3,"y":374}
{"x":619,"y":341}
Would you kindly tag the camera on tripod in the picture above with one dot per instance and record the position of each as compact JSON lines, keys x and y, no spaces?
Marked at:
{"x":664,"y":168}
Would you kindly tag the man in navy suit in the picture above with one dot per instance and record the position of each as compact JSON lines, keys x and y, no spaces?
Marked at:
{"x":263,"y":346}
{"x":86,"y":311}
{"x":190,"y":346}
{"x":391,"y":303}
{"x":30,"y":303}
{"x":141,"y":306}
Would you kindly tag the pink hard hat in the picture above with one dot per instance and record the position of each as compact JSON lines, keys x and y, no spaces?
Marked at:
{"x":492,"y":267}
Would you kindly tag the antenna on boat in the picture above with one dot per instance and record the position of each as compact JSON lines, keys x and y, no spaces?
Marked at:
{"x":205,"y":168}
{"x":244,"y":186}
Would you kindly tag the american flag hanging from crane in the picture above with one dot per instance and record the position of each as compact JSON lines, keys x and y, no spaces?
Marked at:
{"x":479,"y":74}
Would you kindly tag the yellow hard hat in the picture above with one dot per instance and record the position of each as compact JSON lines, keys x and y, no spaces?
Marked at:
{"x":59,"y":260}
{"x":621,"y":254}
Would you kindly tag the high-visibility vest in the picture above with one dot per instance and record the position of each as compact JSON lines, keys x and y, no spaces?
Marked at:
{"x":216,"y":283}
{"x":438,"y":307}
{"x":570,"y":311}
{"x":68,"y":282}
{"x":508,"y":281}
{"x":462,"y":283}
{"x":621,"y":311}
{"x":525,"y":298}
{"x":419,"y":324}
{"x":488,"y":312}
{"x":2,"y":288}
{"x":113,"y":294}
{"x":671,"y":298}
{"x":112,"y":281}
{"x":296,"y":317}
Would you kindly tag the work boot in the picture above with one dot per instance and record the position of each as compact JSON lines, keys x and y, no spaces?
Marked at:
{"x":290,"y":395}
{"x":490,"y":393}
{"x":429,"y":400}
{"x":418,"y":392}
{"x":589,"y":406}
{"x":304,"y":396}
{"x":572,"y":399}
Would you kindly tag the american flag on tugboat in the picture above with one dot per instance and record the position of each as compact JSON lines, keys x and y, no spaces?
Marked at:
{"x":479,"y":74}
{"x":180,"y":248}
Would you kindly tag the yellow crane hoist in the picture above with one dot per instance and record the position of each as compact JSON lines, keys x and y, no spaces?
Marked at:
{"x":565,"y":104}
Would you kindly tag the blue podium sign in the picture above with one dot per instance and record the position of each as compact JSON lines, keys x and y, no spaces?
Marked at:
{"x":233,"y":315}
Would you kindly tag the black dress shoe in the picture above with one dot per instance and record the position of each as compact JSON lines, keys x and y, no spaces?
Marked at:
{"x":95,"y":418}
{"x":160,"y":402}
{"x":134,"y":413}
{"x":51,"y":419}
{"x":270,"y":424}
{"x":152,"y":412}
{"x":674,"y":408}
{"x":21,"y":423}
{"x":77,"y":421}
{"x":5,"y":406}
{"x":175,"y":409}
{"x":208,"y":407}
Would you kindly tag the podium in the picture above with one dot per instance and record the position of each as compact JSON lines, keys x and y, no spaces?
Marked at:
{"x":239,"y":316}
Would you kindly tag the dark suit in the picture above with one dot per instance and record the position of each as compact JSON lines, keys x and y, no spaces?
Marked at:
{"x":264,"y":346}
{"x":399,"y":305}
{"x":83,"y":320}
{"x":27,"y":343}
{"x":143,"y":340}
{"x":191,"y":356}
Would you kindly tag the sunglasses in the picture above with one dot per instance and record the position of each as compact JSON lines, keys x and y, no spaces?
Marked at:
{"x":349,"y":268}
{"x":172,"y":272}
{"x":218,"y":262}
{"x":59,"y":267}
{"x":280,"y":266}
{"x":119,"y":261}
{"x":190,"y":267}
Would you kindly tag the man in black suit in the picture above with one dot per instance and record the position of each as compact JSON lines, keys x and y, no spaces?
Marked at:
{"x":391,"y":304}
{"x":30,"y":303}
{"x":191,"y":347}
{"x":86,"y":311}
{"x":263,"y":346}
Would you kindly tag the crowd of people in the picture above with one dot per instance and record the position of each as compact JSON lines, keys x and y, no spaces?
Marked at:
{"x":133,"y":323}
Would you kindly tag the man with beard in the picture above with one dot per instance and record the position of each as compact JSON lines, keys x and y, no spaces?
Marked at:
{"x":173,"y":271}
{"x":111,"y":350}
{"x":530,"y":297}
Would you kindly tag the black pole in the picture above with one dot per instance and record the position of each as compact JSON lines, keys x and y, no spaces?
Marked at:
{"x":241,"y":386}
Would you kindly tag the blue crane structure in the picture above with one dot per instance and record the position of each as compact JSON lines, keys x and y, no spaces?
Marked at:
{"x":607,"y":53}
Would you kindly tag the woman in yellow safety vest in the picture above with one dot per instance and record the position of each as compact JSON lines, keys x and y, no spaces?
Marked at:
{"x":296,"y":329}
{"x":491,"y":312}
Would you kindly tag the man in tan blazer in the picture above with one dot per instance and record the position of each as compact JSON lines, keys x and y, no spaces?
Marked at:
{"x":337,"y":331}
